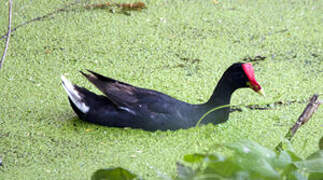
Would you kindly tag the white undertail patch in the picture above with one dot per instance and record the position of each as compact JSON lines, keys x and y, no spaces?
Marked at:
{"x":74,"y":95}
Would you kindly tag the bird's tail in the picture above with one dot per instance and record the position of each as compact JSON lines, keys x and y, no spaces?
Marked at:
{"x":75,"y":95}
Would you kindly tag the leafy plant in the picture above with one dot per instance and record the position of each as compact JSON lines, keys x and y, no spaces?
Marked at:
{"x":253,"y":161}
{"x":113,"y":174}
{"x":249,"y":161}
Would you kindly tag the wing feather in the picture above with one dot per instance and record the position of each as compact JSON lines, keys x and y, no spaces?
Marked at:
{"x":120,"y":93}
{"x":124,"y":95}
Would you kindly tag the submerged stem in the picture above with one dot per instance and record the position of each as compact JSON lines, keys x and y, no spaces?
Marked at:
{"x":224,"y":106}
{"x":207,"y":113}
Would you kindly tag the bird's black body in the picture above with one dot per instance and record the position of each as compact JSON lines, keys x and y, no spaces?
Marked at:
{"x":124,"y":105}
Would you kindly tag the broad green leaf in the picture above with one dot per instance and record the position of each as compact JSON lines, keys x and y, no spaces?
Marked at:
{"x":252,"y":149}
{"x":226,"y":168}
{"x":113,"y":174}
{"x":255,"y":158}
{"x":258,"y":166}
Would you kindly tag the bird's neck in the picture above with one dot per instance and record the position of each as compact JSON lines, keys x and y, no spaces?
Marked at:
{"x":222,"y":92}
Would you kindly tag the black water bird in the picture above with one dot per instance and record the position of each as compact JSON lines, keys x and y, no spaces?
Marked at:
{"x":124,"y":105}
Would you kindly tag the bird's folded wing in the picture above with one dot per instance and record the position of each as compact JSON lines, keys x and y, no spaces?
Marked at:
{"x":124,"y":95}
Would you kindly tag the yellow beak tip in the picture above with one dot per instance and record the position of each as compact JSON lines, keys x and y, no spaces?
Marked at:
{"x":261,"y":92}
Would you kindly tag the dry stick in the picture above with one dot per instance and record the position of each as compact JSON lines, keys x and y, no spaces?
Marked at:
{"x":8,"y":34}
{"x":310,"y":109}
{"x":40,"y":18}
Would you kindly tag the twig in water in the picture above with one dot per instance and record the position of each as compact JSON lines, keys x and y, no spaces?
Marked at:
{"x":137,"y":6}
{"x":303,"y":118}
{"x":122,"y":8}
{"x":40,"y":18}
{"x":8,"y":34}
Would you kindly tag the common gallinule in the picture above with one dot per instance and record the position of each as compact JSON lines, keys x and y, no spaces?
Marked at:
{"x":124,"y":105}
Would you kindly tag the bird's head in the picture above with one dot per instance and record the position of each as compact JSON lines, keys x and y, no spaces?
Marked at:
{"x":242,"y":75}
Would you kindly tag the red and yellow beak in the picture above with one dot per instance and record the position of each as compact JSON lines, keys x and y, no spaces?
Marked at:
{"x":252,"y":83}
{"x":256,"y":87}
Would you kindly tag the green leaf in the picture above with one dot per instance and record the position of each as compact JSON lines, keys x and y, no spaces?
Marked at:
{"x":291,"y":173}
{"x":194,"y":158}
{"x":113,"y":174}
{"x":316,"y":155}
{"x":313,"y":164}
{"x":315,"y":176}
{"x":295,"y":175}
{"x":226,"y":168}
{"x":253,"y":161}
{"x":259,"y":166}
{"x":255,"y":158}
{"x":287,"y":145}
{"x":321,"y":143}
{"x":199,"y":158}
{"x":252,"y":149}
{"x":294,"y":156}
{"x":242,"y":175}
{"x":282,"y":161}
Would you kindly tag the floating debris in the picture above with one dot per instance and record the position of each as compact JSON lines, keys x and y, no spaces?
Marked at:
{"x":137,"y":6}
